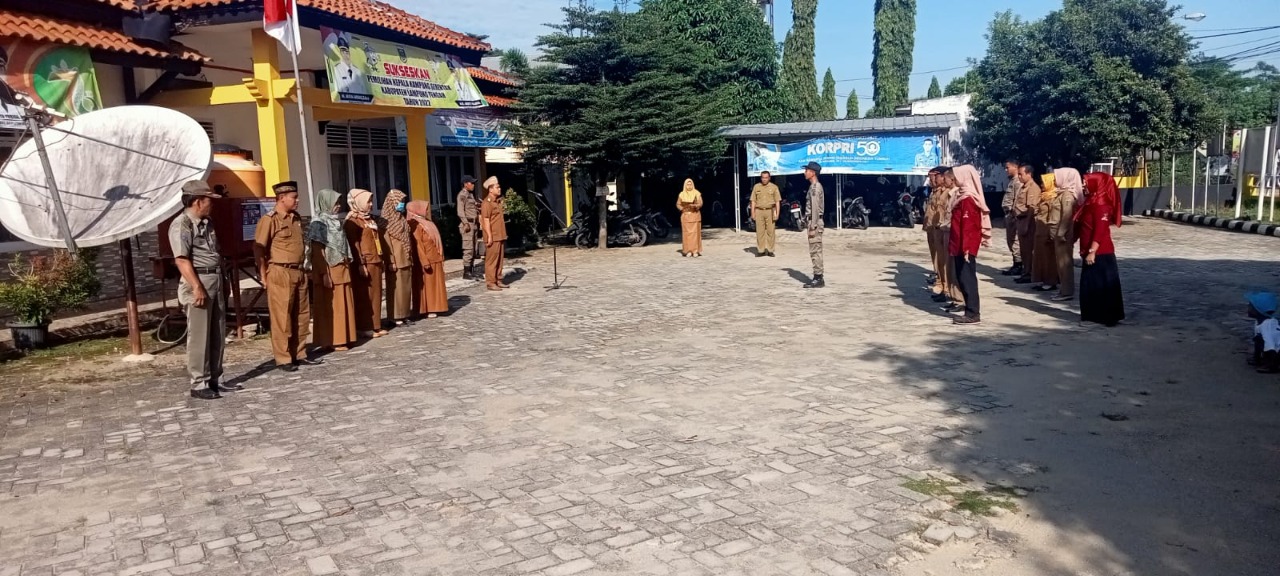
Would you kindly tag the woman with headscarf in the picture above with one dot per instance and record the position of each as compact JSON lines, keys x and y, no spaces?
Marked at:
{"x":429,"y":276}
{"x":690,"y":205}
{"x":366,"y":283}
{"x":950,"y":188}
{"x":1070,"y":192}
{"x":970,"y":230}
{"x":398,"y":258}
{"x":1101,"y":299}
{"x":333,"y":307}
{"x":1044,"y":268}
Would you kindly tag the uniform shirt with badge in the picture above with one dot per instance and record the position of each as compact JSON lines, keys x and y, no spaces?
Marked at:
{"x":194,"y":239}
{"x":281,"y":238}
{"x":765,"y":196}
{"x":817,"y":204}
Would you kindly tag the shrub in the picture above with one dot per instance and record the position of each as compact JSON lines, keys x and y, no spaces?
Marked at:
{"x":47,"y":285}
{"x":446,"y":219}
{"x":522,"y":221}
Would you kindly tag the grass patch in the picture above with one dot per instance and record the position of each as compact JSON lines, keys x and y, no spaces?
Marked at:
{"x":79,"y":350}
{"x":983,"y":502}
{"x":980,"y":502}
{"x":930,"y":486}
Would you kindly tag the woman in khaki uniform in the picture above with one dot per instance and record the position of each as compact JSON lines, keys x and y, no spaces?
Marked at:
{"x":333,"y":307}
{"x":934,"y":209}
{"x":398,"y":258}
{"x":950,"y":187}
{"x":690,"y":205}
{"x":434,"y":298}
{"x":1044,"y":268}
{"x":366,"y":289}
{"x":1070,"y":191}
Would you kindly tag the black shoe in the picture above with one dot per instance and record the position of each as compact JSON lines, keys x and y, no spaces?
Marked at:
{"x":761,"y":254}
{"x":229,"y":387}
{"x":467,"y":275}
{"x":307,"y":362}
{"x":939,"y":298}
{"x":967,"y":320}
{"x":205,"y":394}
{"x":288,"y":367}
{"x":770,"y":254}
{"x":1024,"y":280}
{"x":953,"y":307}
{"x":817,"y":282}
{"x":1043,"y":288}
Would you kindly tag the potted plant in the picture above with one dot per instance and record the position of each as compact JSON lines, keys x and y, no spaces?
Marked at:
{"x":43,"y":286}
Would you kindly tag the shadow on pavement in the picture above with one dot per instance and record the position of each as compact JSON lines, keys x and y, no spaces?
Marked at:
{"x":909,"y":279}
{"x":797,"y":275}
{"x":1146,"y":450}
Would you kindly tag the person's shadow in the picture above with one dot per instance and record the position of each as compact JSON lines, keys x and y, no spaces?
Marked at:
{"x":259,"y":370}
{"x":908,"y":278}
{"x":515,"y":275}
{"x":797,"y":275}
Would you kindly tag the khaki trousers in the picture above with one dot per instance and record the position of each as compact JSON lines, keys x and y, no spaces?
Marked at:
{"x":290,"y":313}
{"x":943,"y":265}
{"x":1011,"y":237}
{"x":1064,"y":257}
{"x":766,"y":230}
{"x":1026,"y":243}
{"x":470,"y":244}
{"x":493,"y":263}
{"x":206,"y":334}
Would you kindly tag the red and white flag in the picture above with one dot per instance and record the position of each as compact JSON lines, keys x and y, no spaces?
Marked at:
{"x":280,"y":20}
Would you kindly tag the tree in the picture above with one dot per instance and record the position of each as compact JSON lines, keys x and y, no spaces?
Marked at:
{"x":1082,"y":84}
{"x":1239,"y":98}
{"x":514,"y":62}
{"x":935,"y":90}
{"x":969,"y":83}
{"x":895,"y":31}
{"x":851,"y":106}
{"x":799,"y":79}
{"x":829,"y":109}
{"x":742,"y":56}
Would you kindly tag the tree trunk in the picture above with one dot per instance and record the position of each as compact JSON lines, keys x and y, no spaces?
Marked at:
{"x":602,"y":206}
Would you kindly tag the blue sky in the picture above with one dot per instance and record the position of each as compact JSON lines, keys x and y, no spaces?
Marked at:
{"x":945,"y":34}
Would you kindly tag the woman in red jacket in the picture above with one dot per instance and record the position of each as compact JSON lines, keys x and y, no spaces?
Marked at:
{"x":970,"y":230}
{"x":1101,"y":300}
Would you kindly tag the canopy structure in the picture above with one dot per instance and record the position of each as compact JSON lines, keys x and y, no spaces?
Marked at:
{"x":899,"y":145}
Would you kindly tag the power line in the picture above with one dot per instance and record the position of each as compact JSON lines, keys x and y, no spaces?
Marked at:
{"x":1240,"y":44}
{"x":1246,"y":31}
{"x":913,"y":74}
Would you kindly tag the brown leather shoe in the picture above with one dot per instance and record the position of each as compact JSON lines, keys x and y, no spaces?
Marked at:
{"x":503,"y":285}
{"x":493,"y":288}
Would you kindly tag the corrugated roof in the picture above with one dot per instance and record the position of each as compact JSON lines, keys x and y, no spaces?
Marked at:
{"x":367,"y":11}
{"x":46,"y":29}
{"x":927,"y":122}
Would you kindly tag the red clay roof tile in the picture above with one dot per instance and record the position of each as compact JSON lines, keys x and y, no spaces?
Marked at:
{"x":491,"y":75}
{"x":41,"y":28}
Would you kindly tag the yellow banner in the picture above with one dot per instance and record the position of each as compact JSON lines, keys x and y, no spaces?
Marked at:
{"x":367,"y":71}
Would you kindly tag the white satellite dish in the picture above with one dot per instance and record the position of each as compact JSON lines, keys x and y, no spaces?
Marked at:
{"x":119,"y":171}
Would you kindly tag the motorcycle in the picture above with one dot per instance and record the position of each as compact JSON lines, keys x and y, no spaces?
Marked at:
{"x":856,"y":214}
{"x":623,"y":230}
{"x":898,"y":212}
{"x":798,"y":216}
{"x":656,"y":224}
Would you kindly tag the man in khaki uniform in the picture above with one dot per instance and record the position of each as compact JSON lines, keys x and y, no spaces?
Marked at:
{"x":766,"y":201}
{"x":195,"y":251}
{"x":1025,"y":204}
{"x":469,"y":225}
{"x":1010,"y":221}
{"x":279,"y":246}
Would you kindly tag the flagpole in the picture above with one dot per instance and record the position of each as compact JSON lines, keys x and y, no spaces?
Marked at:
{"x":302,"y":125}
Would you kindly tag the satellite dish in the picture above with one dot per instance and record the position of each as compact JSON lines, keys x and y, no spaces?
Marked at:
{"x":119,"y":171}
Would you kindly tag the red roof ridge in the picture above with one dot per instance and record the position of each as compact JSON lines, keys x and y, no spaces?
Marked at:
{"x":42,"y":28}
{"x":495,"y":76}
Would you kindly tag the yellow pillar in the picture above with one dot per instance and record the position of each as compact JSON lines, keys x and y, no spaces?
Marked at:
{"x":416,"y":134}
{"x":568,"y":196}
{"x":271,"y":134}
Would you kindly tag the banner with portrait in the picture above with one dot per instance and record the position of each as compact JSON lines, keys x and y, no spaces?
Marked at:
{"x":893,"y":153}
{"x":367,"y":71}
{"x":57,"y":76}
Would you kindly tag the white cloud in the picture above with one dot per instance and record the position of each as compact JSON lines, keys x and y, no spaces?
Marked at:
{"x":509,"y":23}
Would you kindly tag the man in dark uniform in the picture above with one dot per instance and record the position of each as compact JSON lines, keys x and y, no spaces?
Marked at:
{"x":280,"y":248}
{"x":195,"y":251}
{"x":817,"y":200}
{"x":469,"y":225}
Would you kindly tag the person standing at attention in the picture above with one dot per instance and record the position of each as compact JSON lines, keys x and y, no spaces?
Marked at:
{"x":1101,"y":299}
{"x":494,"y":226}
{"x":469,"y":226}
{"x":195,"y":251}
{"x":398,"y":259}
{"x":1010,"y":219}
{"x":690,"y":205}
{"x":817,"y":200}
{"x":1045,"y":268}
{"x":1070,"y":192}
{"x":362,"y":232}
{"x":970,"y":230}
{"x":281,"y":250}
{"x":334,"y":304}
{"x":766,"y":201}
{"x":1025,"y":205}
{"x":934,"y":211}
{"x":426,"y":238}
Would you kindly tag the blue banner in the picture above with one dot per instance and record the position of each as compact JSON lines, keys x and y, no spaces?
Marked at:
{"x":900,"y":153}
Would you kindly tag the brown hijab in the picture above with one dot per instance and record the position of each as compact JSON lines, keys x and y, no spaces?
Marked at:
{"x":420,"y":212}
{"x":397,"y":227}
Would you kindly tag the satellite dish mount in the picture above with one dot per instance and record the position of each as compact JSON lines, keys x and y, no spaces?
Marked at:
{"x":38,"y":116}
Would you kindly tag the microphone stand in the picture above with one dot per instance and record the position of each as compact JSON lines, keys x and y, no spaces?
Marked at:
{"x":556,"y":282}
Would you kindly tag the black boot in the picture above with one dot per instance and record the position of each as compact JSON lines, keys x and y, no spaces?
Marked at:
{"x":467,"y":274}
{"x":817,"y":282}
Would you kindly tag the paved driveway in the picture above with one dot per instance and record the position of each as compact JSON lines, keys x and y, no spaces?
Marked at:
{"x":661,"y":415}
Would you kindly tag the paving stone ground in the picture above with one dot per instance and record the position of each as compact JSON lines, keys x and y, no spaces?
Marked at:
{"x":661,"y":415}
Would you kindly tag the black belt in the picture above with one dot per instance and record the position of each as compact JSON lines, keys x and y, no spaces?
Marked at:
{"x":764,"y":207}
{"x":292,"y":266}
{"x":209,"y":270}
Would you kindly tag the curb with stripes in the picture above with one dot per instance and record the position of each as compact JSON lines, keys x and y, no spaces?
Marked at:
{"x":1246,"y":226}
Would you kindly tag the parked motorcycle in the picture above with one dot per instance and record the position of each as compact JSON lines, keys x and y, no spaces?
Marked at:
{"x":623,"y":230}
{"x":855,"y":214}
{"x":656,"y":224}
{"x":898,"y":212}
{"x":799,"y":218}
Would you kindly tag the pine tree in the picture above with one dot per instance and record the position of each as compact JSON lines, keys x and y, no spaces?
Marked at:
{"x":935,"y":89}
{"x":829,"y":110}
{"x":799,"y":79}
{"x":851,"y":106}
{"x":895,"y":25}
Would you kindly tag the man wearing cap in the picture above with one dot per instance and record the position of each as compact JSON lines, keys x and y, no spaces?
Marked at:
{"x":817,"y":202}
{"x":494,"y":225}
{"x":280,"y":248}
{"x":195,"y":251}
{"x":765,"y":203}
{"x":469,"y":225}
